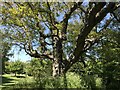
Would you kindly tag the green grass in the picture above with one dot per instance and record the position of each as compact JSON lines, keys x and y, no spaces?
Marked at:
{"x":70,"y":80}
{"x":9,"y":80}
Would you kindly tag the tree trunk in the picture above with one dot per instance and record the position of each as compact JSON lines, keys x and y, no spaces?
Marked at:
{"x":57,"y":61}
{"x":55,"y":68}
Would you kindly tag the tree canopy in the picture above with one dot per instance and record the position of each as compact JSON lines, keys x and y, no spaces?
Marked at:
{"x":60,"y":32}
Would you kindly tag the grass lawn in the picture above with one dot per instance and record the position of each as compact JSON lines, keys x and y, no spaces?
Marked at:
{"x":9,"y":80}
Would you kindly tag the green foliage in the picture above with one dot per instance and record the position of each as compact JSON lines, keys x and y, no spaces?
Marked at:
{"x":27,"y":24}
{"x":38,"y":68}
{"x":103,"y":60}
{"x":27,"y":69}
{"x":70,"y":80}
{"x":14,"y":67}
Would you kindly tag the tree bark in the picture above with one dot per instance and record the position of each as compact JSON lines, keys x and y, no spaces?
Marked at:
{"x":57,"y":60}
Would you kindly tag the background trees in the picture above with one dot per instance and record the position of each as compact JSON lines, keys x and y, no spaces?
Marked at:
{"x":15,"y":67}
{"x":38,"y":68}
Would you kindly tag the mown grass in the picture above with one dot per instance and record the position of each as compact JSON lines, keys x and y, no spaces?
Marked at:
{"x":9,"y":80}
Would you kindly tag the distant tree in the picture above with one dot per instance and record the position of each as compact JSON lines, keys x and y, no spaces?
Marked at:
{"x":27,"y":68}
{"x":38,"y":68}
{"x":15,"y":67}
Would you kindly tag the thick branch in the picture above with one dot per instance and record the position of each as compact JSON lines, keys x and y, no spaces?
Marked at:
{"x":37,"y":55}
{"x":34,"y":53}
{"x":86,"y":30}
{"x":94,"y":11}
{"x":104,"y":12}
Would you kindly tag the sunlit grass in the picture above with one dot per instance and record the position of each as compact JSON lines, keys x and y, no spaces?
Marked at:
{"x":70,"y":80}
{"x":9,"y":80}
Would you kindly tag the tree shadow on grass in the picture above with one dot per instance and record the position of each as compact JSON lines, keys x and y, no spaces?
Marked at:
{"x":20,"y":76}
{"x":6,"y":80}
